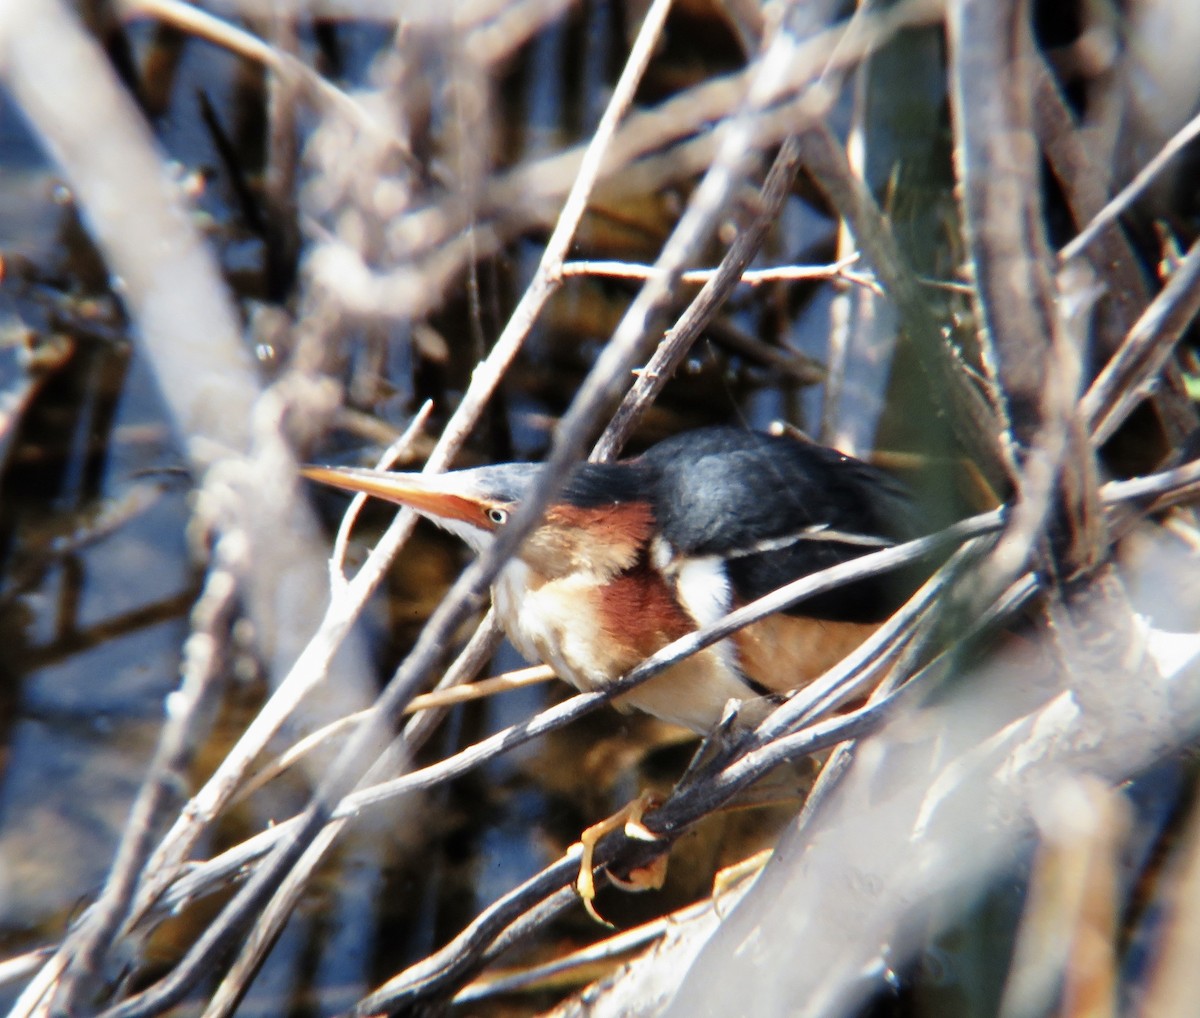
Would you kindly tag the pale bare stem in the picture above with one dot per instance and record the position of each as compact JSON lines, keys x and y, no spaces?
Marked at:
{"x":399,"y":449}
{"x":609,"y":949}
{"x":438,"y":700}
{"x":204,"y":662}
{"x":520,"y":678}
{"x":313,"y":662}
{"x":1129,"y":194}
{"x":1133,"y":371}
{"x":297,"y":752}
{"x":947,"y":285}
{"x":1161,"y":489}
{"x":840,"y":269}
{"x":187,"y":18}
{"x":24,"y":965}
{"x":703,"y":308}
{"x":190,"y":19}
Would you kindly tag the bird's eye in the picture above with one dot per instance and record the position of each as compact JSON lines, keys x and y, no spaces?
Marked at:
{"x":498,"y":516}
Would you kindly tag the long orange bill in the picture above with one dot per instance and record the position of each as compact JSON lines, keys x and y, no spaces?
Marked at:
{"x":432,"y":495}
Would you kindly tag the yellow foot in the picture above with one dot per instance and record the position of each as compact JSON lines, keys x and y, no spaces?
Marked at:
{"x":629,"y":819}
{"x":738,"y":871}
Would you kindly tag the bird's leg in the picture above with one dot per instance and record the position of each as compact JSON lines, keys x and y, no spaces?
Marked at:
{"x":714,"y":747}
{"x":736,"y":872}
{"x":717,"y":747}
{"x":629,"y":819}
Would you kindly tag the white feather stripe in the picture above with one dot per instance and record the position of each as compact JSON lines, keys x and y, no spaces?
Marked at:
{"x":820,"y":532}
{"x":702,"y":586}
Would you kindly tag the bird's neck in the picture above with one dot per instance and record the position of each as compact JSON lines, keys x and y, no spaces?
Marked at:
{"x":593,"y":541}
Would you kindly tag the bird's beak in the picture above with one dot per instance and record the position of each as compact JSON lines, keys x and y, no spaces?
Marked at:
{"x":440,"y":496}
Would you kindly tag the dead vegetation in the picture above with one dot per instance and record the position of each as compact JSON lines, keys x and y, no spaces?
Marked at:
{"x":1022,"y":314}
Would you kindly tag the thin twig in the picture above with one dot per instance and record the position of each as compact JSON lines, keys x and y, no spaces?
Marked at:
{"x":1134,"y":369}
{"x":203,"y":664}
{"x":793,"y":365}
{"x":1133,"y":190}
{"x":399,"y":448}
{"x":719,"y":285}
{"x":609,"y":949}
{"x":749,"y":277}
{"x":439,"y":699}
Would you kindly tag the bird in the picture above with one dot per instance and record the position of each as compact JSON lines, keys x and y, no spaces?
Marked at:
{"x":634,"y":554}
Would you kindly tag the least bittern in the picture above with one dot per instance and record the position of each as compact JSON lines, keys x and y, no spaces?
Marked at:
{"x":633,"y":555}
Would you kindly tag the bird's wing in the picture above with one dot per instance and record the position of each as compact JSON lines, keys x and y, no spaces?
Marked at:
{"x":773,"y":509}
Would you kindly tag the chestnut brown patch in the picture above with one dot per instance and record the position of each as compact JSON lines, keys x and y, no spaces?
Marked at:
{"x":625,"y":523}
{"x":639,"y":610}
{"x":785,"y":652}
{"x":602,"y":540}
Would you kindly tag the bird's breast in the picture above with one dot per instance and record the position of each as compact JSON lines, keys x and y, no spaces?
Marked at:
{"x":593,"y":629}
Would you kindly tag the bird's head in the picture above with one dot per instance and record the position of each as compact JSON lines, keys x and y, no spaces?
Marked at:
{"x":600,"y":522}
